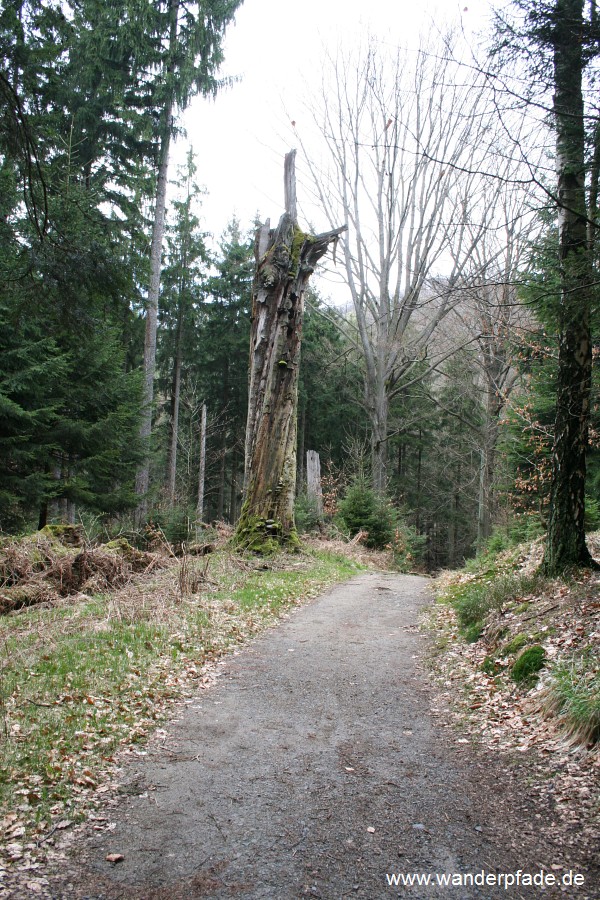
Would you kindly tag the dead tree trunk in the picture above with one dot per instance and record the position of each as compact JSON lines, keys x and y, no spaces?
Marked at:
{"x":285,"y":260}
{"x":314,"y":490}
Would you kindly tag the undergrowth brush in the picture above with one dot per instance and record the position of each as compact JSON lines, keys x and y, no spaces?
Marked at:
{"x":527,"y":637}
{"x":474,"y":600}
{"x":572,"y":696}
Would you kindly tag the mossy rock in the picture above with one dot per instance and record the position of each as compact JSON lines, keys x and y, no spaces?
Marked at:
{"x":69,"y":535}
{"x":517,"y":643}
{"x":528,"y":664}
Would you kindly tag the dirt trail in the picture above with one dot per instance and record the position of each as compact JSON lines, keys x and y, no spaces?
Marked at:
{"x":312,"y":768}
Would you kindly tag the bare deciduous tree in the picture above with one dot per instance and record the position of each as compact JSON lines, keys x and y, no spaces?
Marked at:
{"x":490,"y":314}
{"x":405,"y":146}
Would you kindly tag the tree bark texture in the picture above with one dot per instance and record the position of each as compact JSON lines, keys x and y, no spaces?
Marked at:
{"x":285,"y":260}
{"x":565,"y":542}
{"x":313,"y":481}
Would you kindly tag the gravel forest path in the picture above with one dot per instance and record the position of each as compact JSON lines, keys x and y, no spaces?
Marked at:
{"x":316,"y":767}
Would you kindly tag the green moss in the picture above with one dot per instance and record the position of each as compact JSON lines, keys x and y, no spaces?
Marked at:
{"x":517,"y":643}
{"x":122,"y":548}
{"x":264,"y":536}
{"x":69,"y":535}
{"x":528,"y":664}
{"x":473,"y":632}
{"x":522,"y":607}
{"x":298,"y":240}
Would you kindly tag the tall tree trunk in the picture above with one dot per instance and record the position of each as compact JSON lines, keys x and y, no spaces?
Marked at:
{"x":177,"y":364}
{"x":221,"y":490}
{"x":285,"y":259}
{"x":158,"y":229}
{"x":565,"y":542}
{"x":455,"y":518}
{"x":223,"y":450}
{"x":379,"y":411}
{"x":174,"y":431}
{"x":486,"y":478}
{"x":419,"y":474}
{"x":201,"y":471}
{"x":142,"y":482}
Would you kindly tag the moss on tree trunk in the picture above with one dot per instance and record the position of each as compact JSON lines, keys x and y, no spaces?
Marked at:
{"x":285,"y":260}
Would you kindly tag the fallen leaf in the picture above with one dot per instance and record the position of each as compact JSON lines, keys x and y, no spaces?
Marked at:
{"x":114,"y":857}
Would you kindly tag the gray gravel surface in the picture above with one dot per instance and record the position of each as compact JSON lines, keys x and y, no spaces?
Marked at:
{"x":313,"y":768}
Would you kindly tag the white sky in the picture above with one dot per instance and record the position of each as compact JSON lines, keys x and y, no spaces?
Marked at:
{"x":275,"y":47}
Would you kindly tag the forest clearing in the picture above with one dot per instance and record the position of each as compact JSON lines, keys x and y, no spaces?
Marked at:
{"x":94,"y":690}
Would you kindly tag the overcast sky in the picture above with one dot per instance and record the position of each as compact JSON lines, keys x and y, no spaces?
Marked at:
{"x":275,"y":48}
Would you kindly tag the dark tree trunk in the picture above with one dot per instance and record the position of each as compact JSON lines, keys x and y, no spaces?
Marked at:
{"x":223,"y":448}
{"x":419,"y":467}
{"x":565,"y":543}
{"x":174,"y":425}
{"x":285,"y":259}
{"x":43,"y":516}
{"x":221,"y":490}
{"x":201,"y":473}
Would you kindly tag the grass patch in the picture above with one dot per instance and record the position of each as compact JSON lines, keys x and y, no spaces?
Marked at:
{"x":526,"y":667}
{"x":572,"y":695}
{"x":488,"y":586}
{"x":92,"y":675}
{"x":476,"y":598}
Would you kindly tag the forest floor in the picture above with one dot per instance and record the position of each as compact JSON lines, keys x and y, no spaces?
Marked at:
{"x":323,"y":758}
